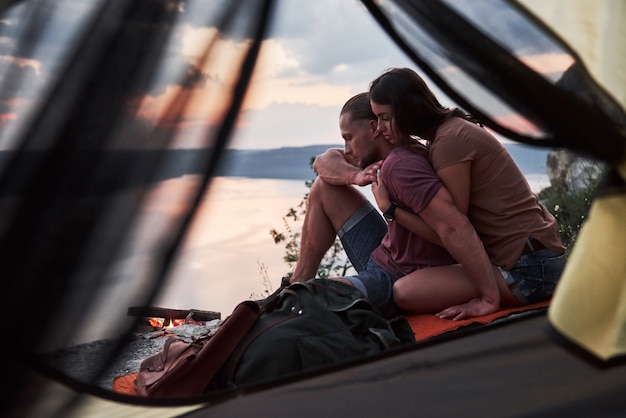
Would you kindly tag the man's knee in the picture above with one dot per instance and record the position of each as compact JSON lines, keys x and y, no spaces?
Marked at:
{"x":336,"y":195}
{"x":320,"y":191}
{"x":317,"y":188}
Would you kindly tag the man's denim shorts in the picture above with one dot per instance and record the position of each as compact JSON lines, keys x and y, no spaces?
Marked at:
{"x":535,"y":275}
{"x":360,"y":235}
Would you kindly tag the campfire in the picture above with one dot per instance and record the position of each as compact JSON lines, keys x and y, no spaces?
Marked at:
{"x":159,"y":322}
{"x":83,"y":361}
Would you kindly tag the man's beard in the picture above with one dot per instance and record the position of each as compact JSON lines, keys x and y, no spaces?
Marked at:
{"x":368,"y":160}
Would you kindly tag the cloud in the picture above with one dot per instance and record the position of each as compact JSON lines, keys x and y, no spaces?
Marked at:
{"x":327,"y":43}
{"x":296,"y":87}
{"x":287,"y":125}
{"x":326,"y":33}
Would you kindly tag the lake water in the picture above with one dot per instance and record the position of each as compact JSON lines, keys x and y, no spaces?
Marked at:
{"x":221,"y":262}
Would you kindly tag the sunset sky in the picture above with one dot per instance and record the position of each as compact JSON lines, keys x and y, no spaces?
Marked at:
{"x":318,"y":54}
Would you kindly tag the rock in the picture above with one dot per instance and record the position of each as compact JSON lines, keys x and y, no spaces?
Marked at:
{"x":85,"y":362}
{"x":571,"y":171}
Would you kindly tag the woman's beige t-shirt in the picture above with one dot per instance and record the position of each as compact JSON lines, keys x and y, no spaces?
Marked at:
{"x":502,"y":206}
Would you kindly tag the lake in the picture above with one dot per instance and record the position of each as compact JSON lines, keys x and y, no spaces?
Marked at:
{"x":220,"y":263}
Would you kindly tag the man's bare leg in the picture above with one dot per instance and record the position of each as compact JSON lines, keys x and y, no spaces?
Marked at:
{"x":328,"y":209}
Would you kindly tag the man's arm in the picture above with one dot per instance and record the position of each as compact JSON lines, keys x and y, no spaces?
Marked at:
{"x":334,"y":167}
{"x":460,"y":239}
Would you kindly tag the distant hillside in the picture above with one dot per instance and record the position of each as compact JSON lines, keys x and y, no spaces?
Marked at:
{"x":281,"y":163}
{"x":294,"y":162}
{"x":117,"y":169}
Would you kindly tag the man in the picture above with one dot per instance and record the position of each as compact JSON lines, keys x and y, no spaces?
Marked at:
{"x":382,"y":254}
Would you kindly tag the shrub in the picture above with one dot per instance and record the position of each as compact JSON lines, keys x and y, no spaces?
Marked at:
{"x":569,"y":207}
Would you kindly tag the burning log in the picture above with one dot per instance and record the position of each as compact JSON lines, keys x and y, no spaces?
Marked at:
{"x":161,"y":321}
{"x":167,"y":314}
{"x":84,"y":361}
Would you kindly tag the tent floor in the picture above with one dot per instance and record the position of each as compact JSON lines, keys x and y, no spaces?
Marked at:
{"x":501,"y":371}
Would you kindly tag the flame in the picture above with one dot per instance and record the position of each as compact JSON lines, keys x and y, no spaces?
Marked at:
{"x":156,"y":322}
{"x":160,"y":322}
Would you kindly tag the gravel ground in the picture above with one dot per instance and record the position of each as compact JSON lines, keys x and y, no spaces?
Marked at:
{"x":83,"y":361}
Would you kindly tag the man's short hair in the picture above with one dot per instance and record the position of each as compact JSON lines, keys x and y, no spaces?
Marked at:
{"x":358,"y":107}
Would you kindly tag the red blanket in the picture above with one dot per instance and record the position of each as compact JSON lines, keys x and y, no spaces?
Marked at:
{"x":426,"y":325}
{"x":125,"y":384}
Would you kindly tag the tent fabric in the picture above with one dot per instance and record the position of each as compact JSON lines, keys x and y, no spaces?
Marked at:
{"x":51,"y":194}
{"x":94,"y":406}
{"x":467,"y":55}
{"x":590,"y":301}
{"x":70,"y":214}
{"x":508,"y":371}
{"x":514,"y":369}
{"x":589,"y":305}
{"x":596,"y":31}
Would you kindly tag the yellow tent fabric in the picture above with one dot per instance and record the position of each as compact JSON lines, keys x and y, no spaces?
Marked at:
{"x":596,"y":31}
{"x":589,"y":305}
{"x":95,"y":407}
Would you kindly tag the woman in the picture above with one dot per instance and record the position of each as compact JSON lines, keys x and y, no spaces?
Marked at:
{"x":520,"y":236}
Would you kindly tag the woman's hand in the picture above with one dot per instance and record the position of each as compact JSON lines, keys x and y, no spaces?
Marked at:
{"x":475,"y":307}
{"x":380,"y":193}
{"x":368,"y":175}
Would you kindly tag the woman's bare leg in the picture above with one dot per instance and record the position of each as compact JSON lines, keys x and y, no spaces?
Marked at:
{"x":433,"y":289}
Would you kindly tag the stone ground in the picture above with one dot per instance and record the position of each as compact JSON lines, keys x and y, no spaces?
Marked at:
{"x":83,"y":361}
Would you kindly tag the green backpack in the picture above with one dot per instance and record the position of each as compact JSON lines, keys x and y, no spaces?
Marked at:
{"x":301,"y":327}
{"x":312,"y":325}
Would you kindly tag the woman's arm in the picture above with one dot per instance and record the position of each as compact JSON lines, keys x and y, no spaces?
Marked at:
{"x":456,"y":178}
{"x":410,"y":220}
{"x":464,"y":245}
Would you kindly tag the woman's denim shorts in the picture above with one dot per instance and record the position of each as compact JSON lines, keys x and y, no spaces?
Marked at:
{"x":535,"y":275}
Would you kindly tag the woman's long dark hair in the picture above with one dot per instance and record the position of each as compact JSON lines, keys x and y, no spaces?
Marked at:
{"x":415,"y":107}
